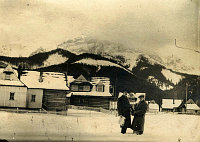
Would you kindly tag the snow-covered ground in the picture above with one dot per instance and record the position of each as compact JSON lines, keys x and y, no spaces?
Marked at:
{"x":83,"y":125}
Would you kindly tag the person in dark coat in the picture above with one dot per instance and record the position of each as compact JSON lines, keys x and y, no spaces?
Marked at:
{"x":124,"y":109}
{"x":139,"y":116}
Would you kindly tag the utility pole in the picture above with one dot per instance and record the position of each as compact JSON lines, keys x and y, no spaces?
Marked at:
{"x":186,"y":95}
{"x":198,"y":78}
{"x":115,"y":88}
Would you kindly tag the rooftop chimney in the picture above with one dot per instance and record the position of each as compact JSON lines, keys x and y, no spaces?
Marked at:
{"x":40,"y":77}
{"x":19,"y":71}
{"x":66,"y":79}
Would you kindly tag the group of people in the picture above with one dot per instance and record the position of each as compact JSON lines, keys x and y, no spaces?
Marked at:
{"x":138,"y":110}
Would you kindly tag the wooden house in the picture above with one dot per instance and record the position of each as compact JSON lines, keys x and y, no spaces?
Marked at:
{"x":46,"y":89}
{"x":80,"y":85}
{"x":93,"y":93}
{"x":171,"y":105}
{"x":189,"y":107}
{"x":12,"y":90}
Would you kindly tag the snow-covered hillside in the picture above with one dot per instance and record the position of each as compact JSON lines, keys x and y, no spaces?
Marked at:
{"x":179,"y":60}
{"x":54,"y":59}
{"x":106,"y":49}
{"x":99,"y":63}
{"x":39,"y":50}
{"x":172,"y":77}
{"x":161,"y":85}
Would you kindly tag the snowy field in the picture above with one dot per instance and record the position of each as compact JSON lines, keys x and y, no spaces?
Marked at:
{"x":83,"y":125}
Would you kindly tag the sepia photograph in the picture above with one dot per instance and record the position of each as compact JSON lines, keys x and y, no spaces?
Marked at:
{"x":99,"y":70}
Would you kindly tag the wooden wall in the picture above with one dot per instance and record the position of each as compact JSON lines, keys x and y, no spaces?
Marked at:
{"x":90,"y":101}
{"x":19,"y":97}
{"x":54,"y":100}
{"x":38,"y":99}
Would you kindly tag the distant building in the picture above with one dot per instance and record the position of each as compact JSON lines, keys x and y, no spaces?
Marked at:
{"x":189,"y":107}
{"x":46,"y":89}
{"x":170,"y":105}
{"x":12,"y":91}
{"x":93,"y":93}
{"x":153,"y":106}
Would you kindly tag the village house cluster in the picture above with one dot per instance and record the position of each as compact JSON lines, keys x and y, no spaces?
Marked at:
{"x":54,"y":91}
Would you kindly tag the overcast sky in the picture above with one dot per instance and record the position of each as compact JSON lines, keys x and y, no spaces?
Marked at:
{"x":143,"y":24}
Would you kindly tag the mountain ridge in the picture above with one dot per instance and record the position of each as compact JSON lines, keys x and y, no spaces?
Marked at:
{"x":146,"y":74}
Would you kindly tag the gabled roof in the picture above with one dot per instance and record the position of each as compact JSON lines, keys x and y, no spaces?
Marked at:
{"x":51,"y":80}
{"x":8,"y":69}
{"x":190,"y":101}
{"x":100,"y":83}
{"x":154,"y":106}
{"x":192,"y":107}
{"x":81,"y":78}
{"x":69,"y":79}
{"x":13,"y":79}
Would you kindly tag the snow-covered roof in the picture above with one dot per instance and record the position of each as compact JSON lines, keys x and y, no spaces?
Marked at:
{"x":170,"y":103}
{"x":100,"y":81}
{"x":153,"y":106}
{"x":81,"y":78}
{"x":106,"y":94}
{"x":51,"y":80}
{"x":11,"y":83}
{"x":192,"y":107}
{"x":70,"y":79}
{"x":8,"y":69}
{"x":190,"y":101}
{"x":13,"y":80}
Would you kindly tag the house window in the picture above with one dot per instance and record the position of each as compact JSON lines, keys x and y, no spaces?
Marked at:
{"x":80,"y":88}
{"x":12,"y":95}
{"x":74,"y":87}
{"x":86,"y":88}
{"x":33,"y":98}
{"x":100,"y":88}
